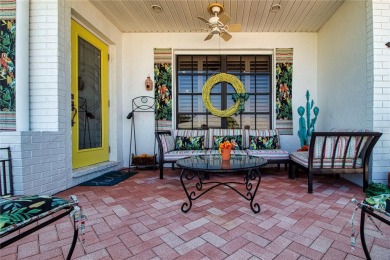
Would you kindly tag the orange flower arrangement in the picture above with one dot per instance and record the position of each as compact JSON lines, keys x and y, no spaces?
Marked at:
{"x":226,"y":145}
{"x":224,"y":149}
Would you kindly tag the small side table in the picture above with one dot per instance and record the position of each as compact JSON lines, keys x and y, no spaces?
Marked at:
{"x":374,"y":207}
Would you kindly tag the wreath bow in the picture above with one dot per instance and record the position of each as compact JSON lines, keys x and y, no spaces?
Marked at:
{"x":241,"y":97}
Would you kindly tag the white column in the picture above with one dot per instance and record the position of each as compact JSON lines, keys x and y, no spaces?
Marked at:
{"x":22,"y":65}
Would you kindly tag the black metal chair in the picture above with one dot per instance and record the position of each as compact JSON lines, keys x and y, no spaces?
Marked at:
{"x":17,"y":214}
{"x":6,"y":178}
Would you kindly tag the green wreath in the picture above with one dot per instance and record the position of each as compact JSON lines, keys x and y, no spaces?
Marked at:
{"x":237,"y":85}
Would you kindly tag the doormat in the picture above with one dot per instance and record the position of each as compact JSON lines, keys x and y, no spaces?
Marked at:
{"x":109,"y":179}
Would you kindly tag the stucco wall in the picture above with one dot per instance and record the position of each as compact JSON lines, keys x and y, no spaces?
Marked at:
{"x":138,"y":63}
{"x":342,"y":69}
{"x":354,"y":75}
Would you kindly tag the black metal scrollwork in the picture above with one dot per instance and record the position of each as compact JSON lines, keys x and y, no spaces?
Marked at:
{"x":251,"y":176}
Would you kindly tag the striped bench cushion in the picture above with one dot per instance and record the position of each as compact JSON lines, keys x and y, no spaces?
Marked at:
{"x":337,"y":130}
{"x":340,"y":148}
{"x":302,"y":158}
{"x":216,"y":152}
{"x":167,"y":142}
{"x":176,"y":155}
{"x":276,"y":154}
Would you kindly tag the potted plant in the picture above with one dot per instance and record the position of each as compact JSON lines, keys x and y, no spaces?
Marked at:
{"x":225,"y":149}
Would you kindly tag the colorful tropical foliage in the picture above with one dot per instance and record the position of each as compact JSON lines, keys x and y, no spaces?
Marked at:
{"x":17,"y":211}
{"x":263,"y":142}
{"x":189,"y":143}
{"x":7,"y":65}
{"x":163,"y":91}
{"x":232,"y":141}
{"x":284,"y":90}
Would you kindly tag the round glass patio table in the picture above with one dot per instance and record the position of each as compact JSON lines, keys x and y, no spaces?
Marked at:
{"x":201,"y":169}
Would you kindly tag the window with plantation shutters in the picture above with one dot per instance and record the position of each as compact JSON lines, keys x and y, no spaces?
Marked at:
{"x":193,"y":71}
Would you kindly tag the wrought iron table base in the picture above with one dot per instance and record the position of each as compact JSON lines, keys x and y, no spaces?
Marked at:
{"x":252,"y":175}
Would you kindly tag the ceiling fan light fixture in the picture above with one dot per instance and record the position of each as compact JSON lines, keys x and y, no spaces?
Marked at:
{"x":157,"y":8}
{"x":275,"y":8}
{"x":215,"y":8}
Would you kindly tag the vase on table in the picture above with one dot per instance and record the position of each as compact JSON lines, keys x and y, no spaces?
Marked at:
{"x":225,"y":164}
{"x":225,"y":153}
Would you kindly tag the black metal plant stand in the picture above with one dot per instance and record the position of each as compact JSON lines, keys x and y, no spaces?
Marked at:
{"x":141,"y":104}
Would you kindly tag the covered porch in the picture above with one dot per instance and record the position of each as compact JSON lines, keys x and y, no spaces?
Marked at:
{"x":343,"y":64}
{"x":140,"y":218}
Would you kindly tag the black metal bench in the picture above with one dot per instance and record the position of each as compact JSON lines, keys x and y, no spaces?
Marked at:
{"x":335,"y":153}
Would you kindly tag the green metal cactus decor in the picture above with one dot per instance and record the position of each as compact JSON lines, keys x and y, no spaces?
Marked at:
{"x":307,"y":127}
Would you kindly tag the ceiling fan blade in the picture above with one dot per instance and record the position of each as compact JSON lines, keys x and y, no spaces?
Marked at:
{"x":234,"y":27}
{"x":209,"y":36}
{"x":202,"y":19}
{"x":226,"y":36}
{"x":224,"y":18}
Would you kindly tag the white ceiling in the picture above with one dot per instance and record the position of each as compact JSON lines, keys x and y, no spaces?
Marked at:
{"x":136,"y":16}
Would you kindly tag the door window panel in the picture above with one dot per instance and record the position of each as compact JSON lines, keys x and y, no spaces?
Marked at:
{"x":89,"y":95}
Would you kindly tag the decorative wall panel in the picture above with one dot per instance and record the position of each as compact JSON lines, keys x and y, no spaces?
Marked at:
{"x":284,"y":72}
{"x":7,"y":65}
{"x":163,"y":87}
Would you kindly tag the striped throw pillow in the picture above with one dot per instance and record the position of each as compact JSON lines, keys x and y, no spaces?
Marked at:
{"x":168,"y":143}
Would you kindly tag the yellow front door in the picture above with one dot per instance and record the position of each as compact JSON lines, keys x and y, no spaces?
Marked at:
{"x":89,"y":98}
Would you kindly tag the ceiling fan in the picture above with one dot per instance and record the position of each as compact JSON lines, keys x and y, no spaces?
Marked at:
{"x":218,"y":23}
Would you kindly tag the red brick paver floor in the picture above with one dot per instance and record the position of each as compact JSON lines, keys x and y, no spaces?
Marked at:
{"x":140,"y":218}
